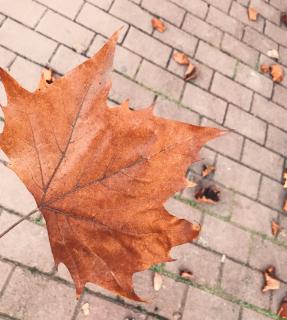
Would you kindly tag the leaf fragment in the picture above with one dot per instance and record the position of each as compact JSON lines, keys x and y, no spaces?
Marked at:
{"x":271,"y":283}
{"x":275,"y":228}
{"x":46,"y":79}
{"x":157,"y":281}
{"x":158,"y":25}
{"x":282,"y":312}
{"x":180,"y":58}
{"x":277,"y":73}
{"x":86,"y":309}
{"x":252,"y":14}
{"x":265,"y":68}
{"x":209,"y":195}
{"x":207,"y":170}
{"x":186,"y":274}
{"x":191,"y":72}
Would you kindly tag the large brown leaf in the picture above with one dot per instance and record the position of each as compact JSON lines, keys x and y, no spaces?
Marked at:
{"x":100,"y":175}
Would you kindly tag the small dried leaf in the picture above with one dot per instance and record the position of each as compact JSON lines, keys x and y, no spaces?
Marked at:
{"x":190,"y":73}
{"x":157,"y":281}
{"x":274,"y":54}
{"x":277,"y":73}
{"x":180,"y":57}
{"x":275,"y":227}
{"x":265,"y":68}
{"x":46,"y":78}
{"x":207,"y":170}
{"x":208,"y":195}
{"x":282,"y":312}
{"x":86,"y":309}
{"x":252,"y":14}
{"x":284,"y":18}
{"x":271,"y":283}
{"x":186,"y":274}
{"x":158,"y":25}
{"x":191,"y":184}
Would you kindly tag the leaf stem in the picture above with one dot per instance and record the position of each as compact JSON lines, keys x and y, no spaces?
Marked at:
{"x":18,"y":222}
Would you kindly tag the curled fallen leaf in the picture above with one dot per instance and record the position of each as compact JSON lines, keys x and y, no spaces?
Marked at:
{"x":277,"y":73}
{"x":265,"y":68}
{"x":158,"y":25}
{"x":274,"y":54}
{"x":252,"y":14}
{"x":191,"y":72}
{"x":207,"y":170}
{"x":186,"y":274}
{"x":271,"y":283}
{"x":180,"y":57}
{"x":209,"y":195}
{"x":282,"y":312}
{"x":157,"y":281}
{"x":275,"y":228}
{"x":100,"y":175}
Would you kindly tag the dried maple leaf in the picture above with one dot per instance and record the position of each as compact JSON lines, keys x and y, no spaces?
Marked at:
{"x":271,"y":283}
{"x":265,"y":68}
{"x":157,"y":281}
{"x":180,"y":57}
{"x":100,"y":175}
{"x":190,"y":73}
{"x":277,"y":73}
{"x":282,"y":312}
{"x":275,"y":228}
{"x":158,"y":25}
{"x":252,"y":14}
{"x":209,"y":195}
{"x":207,"y":170}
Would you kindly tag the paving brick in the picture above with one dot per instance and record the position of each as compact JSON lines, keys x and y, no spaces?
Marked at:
{"x":196,"y":7}
{"x":104,"y":24}
{"x":203,"y":78}
{"x":279,"y":4}
{"x":177,"y":39}
{"x":6,"y":57}
{"x":68,"y":8}
{"x":265,"y":10}
{"x":31,"y":44}
{"x":202,"y":305}
{"x":239,"y":50}
{"x":243,"y":2}
{"x":2,"y":18}
{"x":5,"y":269}
{"x":65,"y":60}
{"x":245,"y":124}
{"x":204,"y":103}
{"x":252,"y":315}
{"x":261,"y":107}
{"x":265,"y":253}
{"x":280,"y":95}
{"x":272,"y":199}
{"x":26,"y":73}
{"x":27,"y":244}
{"x":225,"y":22}
{"x":231,"y":91}
{"x":24,"y":11}
{"x":37,"y":298}
{"x":283,"y":55}
{"x":230,"y":144}
{"x":160,"y":80}
{"x":125,"y":61}
{"x":147,"y":47}
{"x":244,"y":283}
{"x":215,"y":59}
{"x":237,"y":176}
{"x":169,"y":110}
{"x":65,"y":31}
{"x":166,"y":10}
{"x":3,"y":97}
{"x":132,"y":14}
{"x":254,"y":80}
{"x":101,"y":309}
{"x":202,"y":30}
{"x":220,"y":4}
{"x":124,"y":88}
{"x":271,"y":164}
{"x":104,"y":4}
{"x":203,"y":264}
{"x":252,"y":215}
{"x":239,"y":12}
{"x":277,"y":140}
{"x":223,"y":237}
{"x":276,"y":33}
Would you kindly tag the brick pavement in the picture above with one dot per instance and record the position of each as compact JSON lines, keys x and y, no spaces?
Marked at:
{"x":236,"y":241}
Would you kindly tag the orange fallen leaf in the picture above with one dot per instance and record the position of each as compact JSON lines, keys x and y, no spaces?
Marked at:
{"x":207,"y":170}
{"x":275,"y":227}
{"x":252,"y":14}
{"x":285,"y":205}
{"x":157,"y":281}
{"x":271,"y":283}
{"x":277,"y":73}
{"x":190,"y":73}
{"x":265,"y":68}
{"x":180,"y":57}
{"x":158,"y":25}
{"x":209,"y":195}
{"x":186,"y":274}
{"x":282,"y":312}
